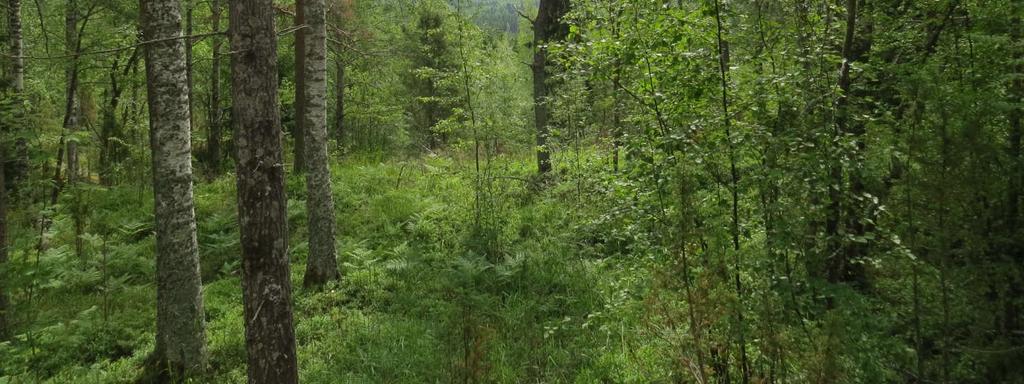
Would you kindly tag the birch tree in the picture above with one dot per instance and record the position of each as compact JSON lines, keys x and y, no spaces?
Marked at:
{"x":180,"y":340}
{"x":322,"y":264}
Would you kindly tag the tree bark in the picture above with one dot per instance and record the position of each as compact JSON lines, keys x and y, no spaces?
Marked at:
{"x":841,"y":267}
{"x":190,"y":60}
{"x":4,"y":305}
{"x":546,"y":28}
{"x":734,"y":229}
{"x":17,"y":77}
{"x":322,"y":265}
{"x":20,"y":167}
{"x":213,"y":132}
{"x":14,"y":32}
{"x":339,"y":113}
{"x":299,"y":131}
{"x":1011,"y":308}
{"x":180,"y":340}
{"x":71,"y":40}
{"x":112,"y":151}
{"x":269,"y":333}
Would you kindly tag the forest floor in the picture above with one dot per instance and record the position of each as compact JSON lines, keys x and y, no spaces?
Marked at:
{"x":442,"y":282}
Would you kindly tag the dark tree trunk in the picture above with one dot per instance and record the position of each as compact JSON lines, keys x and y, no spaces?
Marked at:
{"x":71,"y":40}
{"x":112,"y":151}
{"x":723,"y":67}
{"x":180,"y":341}
{"x":4,"y":305}
{"x":841,"y":264}
{"x":548,"y":27}
{"x":267,"y":292}
{"x":16,"y":82}
{"x":1012,"y":313}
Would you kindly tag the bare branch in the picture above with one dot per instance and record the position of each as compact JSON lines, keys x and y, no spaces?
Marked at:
{"x":523,"y":15}
{"x":112,"y":50}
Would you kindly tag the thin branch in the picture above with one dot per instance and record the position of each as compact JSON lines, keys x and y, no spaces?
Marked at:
{"x":523,"y":15}
{"x":113,"y":50}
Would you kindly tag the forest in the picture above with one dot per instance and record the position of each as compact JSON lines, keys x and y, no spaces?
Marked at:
{"x":512,"y":191}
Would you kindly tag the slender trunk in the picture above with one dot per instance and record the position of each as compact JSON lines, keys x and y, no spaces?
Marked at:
{"x":71,"y":107}
{"x":4,"y":305}
{"x":540,"y":109}
{"x":17,"y":63}
{"x":839,"y":266}
{"x":1011,"y":308}
{"x":723,"y":66}
{"x":616,"y":118}
{"x":110,"y":131}
{"x":213,"y":155}
{"x":213,"y":132}
{"x":685,"y":230}
{"x":57,"y":180}
{"x":920,"y":353}
{"x":189,"y":61}
{"x":180,"y":340}
{"x":71,"y":40}
{"x":322,"y":264}
{"x":858,"y":211}
{"x":17,"y":66}
{"x":299,"y":131}
{"x":266,"y":288}
{"x":1016,"y":118}
{"x":339,"y":113}
{"x":943,"y":248}
{"x":17,"y":76}
{"x":617,"y":131}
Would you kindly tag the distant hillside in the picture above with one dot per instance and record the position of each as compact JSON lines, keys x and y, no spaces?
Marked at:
{"x":497,"y":15}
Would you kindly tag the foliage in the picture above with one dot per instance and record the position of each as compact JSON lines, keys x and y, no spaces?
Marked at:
{"x":724,"y":206}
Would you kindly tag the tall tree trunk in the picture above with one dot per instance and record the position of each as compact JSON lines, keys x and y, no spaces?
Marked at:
{"x":322,"y":265}
{"x":548,"y":27}
{"x":723,"y":66}
{"x":107,"y":130}
{"x":71,"y":40}
{"x":840,"y":268}
{"x":111,"y":148}
{"x":859,"y":213}
{"x":299,"y":131}
{"x":540,"y":108}
{"x":180,"y":340}
{"x":269,"y":333}
{"x":339,"y":113}
{"x":1016,"y":116}
{"x":17,"y":81}
{"x":189,"y":61}
{"x":213,"y":132}
{"x":4,"y":305}
{"x":17,"y":63}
